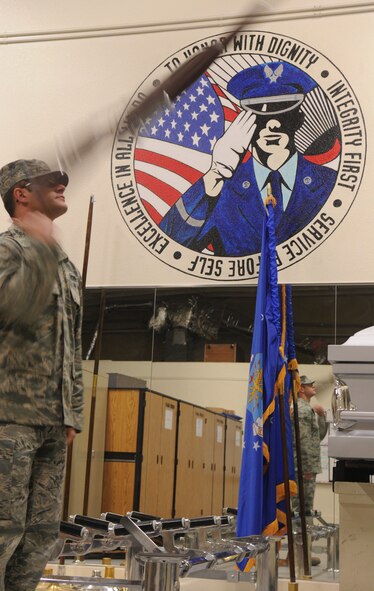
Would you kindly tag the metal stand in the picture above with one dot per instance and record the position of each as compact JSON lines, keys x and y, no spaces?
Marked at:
{"x":267,"y":568}
{"x":161,"y":572}
{"x":185,"y":548}
{"x":300,"y":553}
{"x":329,"y":531}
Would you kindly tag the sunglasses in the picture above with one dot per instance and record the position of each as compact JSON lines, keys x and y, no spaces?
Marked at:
{"x":48,"y":181}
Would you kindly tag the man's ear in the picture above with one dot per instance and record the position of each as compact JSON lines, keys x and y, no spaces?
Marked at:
{"x":21,"y":195}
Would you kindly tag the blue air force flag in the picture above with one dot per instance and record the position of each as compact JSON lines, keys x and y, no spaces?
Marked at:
{"x":261,"y":479}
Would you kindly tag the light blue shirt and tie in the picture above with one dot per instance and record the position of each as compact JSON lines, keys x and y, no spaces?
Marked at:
{"x":287,"y":172}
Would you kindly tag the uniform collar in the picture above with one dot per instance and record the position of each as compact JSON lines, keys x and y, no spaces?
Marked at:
{"x":288,"y":172}
{"x":24,"y":240}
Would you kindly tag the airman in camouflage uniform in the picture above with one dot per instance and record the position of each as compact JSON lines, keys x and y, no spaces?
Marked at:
{"x":41,"y":392}
{"x":313,"y":428}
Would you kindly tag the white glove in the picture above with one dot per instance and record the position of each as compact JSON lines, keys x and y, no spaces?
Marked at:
{"x":228,"y":152}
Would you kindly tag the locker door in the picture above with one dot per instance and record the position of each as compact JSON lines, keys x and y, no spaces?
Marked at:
{"x":144,"y":469}
{"x":229,"y":497}
{"x":122,"y":420}
{"x":218,"y":465}
{"x":183,"y":505}
{"x":208,"y":461}
{"x":237,"y":460}
{"x":167,"y":458}
{"x":198,"y":436}
{"x":118,"y":487}
{"x":150,"y":479}
{"x":120,"y":449}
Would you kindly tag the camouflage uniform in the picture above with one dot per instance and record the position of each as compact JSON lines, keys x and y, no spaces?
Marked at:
{"x":313,"y":429}
{"x":41,"y":392}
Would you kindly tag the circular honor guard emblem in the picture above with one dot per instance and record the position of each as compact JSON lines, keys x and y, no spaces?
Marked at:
{"x":190,"y":182}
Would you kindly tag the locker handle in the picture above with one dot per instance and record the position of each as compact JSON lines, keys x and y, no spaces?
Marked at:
{"x":161,"y":459}
{"x":203,"y":465}
{"x":189,"y":463}
{"x":157,"y":459}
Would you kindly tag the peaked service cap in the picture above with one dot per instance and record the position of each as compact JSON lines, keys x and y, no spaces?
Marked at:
{"x":273,"y":87}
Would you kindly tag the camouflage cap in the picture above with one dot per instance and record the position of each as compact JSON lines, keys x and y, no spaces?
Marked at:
{"x":304,"y":380}
{"x":20,"y":170}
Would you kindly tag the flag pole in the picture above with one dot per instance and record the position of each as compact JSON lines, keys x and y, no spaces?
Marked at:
{"x":93,"y":401}
{"x":87,"y":243}
{"x":291,"y":552}
{"x":264,"y":489}
{"x":300,"y":481}
{"x":292,"y":585}
{"x":69,"y":454}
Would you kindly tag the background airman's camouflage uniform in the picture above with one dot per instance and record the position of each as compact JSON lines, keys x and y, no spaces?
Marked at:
{"x":41,"y":393}
{"x":313,"y":429}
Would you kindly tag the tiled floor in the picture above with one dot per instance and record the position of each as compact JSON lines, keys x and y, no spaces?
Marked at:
{"x":320,"y":573}
{"x":206,"y":585}
{"x":322,"y":580}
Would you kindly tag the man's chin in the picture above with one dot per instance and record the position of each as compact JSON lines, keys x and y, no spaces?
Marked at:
{"x":59,"y":211}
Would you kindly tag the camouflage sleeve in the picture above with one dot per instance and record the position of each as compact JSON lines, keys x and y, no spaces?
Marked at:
{"x":305,"y":426}
{"x":27,"y":276}
{"x":322,"y":425}
{"x":78,"y":398}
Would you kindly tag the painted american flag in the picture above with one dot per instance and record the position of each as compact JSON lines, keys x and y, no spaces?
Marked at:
{"x":174,"y":146}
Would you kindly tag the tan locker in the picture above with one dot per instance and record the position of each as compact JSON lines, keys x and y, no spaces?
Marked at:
{"x":118,"y":487}
{"x":218,"y":465}
{"x":122,"y":420}
{"x":234,"y":434}
{"x":198,"y":453}
{"x":140,"y":451}
{"x":151,"y":445}
{"x":157,"y":480}
{"x":238,"y":459}
{"x":229,"y":463}
{"x":196,"y":459}
{"x":140,"y":470}
{"x":184,"y":484}
{"x":121,"y":434}
{"x":208,"y":461}
{"x":167,"y":457}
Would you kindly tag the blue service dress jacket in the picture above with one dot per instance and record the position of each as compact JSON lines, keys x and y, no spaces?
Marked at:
{"x":232,"y":222}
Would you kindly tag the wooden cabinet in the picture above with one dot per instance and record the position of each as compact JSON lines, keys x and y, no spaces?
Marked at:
{"x":167,"y":457}
{"x":220,"y":352}
{"x":206,"y":462}
{"x":201,"y":463}
{"x":123,"y":448}
{"x":118,"y":486}
{"x":159,"y":441}
{"x":139,"y":455}
{"x":122,"y":420}
{"x":199,"y":474}
{"x":218,"y":464}
{"x":185,"y":488}
{"x":233,"y":456}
